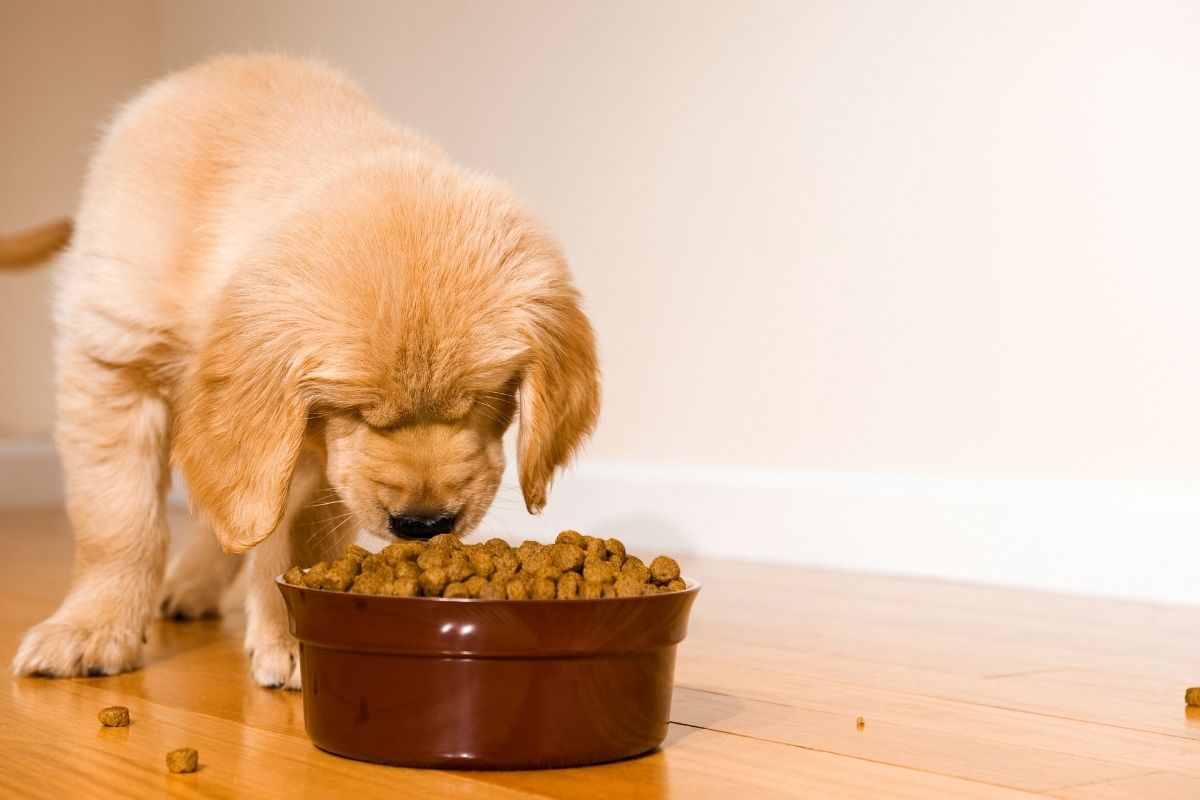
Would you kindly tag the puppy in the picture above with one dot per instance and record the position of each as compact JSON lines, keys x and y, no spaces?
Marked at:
{"x":327,"y":326}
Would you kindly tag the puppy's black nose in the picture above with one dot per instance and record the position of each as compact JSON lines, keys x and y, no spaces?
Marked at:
{"x":421,"y":527}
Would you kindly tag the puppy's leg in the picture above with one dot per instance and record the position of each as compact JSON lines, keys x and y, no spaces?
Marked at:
{"x":113,"y":438}
{"x":274,"y":655}
{"x":197,"y":575}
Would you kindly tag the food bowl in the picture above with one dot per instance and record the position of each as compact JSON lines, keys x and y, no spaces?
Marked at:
{"x":486,"y":684}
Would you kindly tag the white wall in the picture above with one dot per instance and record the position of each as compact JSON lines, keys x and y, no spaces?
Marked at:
{"x":63,"y":65}
{"x":912,"y":284}
{"x":931,"y":237}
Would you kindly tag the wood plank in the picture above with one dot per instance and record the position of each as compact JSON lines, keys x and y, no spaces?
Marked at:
{"x":967,"y":692}
{"x":776,"y":674}
{"x":969,"y":753}
{"x":704,"y":763}
{"x":1159,"y":786}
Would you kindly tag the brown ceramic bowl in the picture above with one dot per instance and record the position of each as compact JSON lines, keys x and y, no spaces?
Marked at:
{"x":486,"y":684}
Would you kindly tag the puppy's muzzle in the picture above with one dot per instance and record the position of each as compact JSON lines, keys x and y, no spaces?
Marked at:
{"x":414,"y":527}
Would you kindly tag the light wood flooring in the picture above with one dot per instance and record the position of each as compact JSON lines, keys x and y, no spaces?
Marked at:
{"x":965,"y":692}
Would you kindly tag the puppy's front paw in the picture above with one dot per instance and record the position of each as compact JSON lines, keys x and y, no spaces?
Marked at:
{"x":63,"y":648}
{"x":275,"y":663}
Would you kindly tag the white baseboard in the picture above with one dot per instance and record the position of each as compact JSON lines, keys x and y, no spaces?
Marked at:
{"x":1100,"y":540}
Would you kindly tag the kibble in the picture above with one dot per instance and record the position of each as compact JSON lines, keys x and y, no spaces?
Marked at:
{"x":664,"y":569}
{"x":566,"y":556}
{"x":1192,"y":696}
{"x":598,"y":571}
{"x":616,"y":548}
{"x":185,"y":759}
{"x":573,"y":566}
{"x":433,"y":581}
{"x":569,"y":537}
{"x":114,"y":717}
{"x":568,"y":586}
{"x":475,"y":585}
{"x":402,"y":551}
{"x":628,"y":586}
{"x":459,"y":568}
{"x":590,"y":590}
{"x":593,"y":548}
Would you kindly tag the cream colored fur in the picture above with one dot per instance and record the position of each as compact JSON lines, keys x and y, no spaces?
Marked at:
{"x":320,"y":319}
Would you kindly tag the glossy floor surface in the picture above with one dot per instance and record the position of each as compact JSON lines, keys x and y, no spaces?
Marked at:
{"x":964,"y":692}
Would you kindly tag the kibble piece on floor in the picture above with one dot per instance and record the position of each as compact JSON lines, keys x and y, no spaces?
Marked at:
{"x":114,"y":716}
{"x":1192,"y":696}
{"x":860,"y":723}
{"x":185,"y":759}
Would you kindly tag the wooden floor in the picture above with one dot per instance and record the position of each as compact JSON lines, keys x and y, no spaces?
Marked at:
{"x":966,"y":692}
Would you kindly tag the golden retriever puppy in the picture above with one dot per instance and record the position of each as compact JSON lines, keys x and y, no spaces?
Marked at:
{"x":321,"y":320}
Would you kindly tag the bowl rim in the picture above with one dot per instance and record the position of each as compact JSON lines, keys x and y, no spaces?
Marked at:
{"x":691,"y":586}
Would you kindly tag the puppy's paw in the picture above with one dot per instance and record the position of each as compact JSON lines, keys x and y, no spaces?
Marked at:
{"x":275,"y":663}
{"x":193,"y":598}
{"x":63,"y":648}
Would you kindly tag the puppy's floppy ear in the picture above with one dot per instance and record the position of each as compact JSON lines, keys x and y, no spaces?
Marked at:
{"x":559,"y":393}
{"x":239,"y":427}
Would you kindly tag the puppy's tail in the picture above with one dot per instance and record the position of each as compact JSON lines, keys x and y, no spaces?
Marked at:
{"x":35,"y":245}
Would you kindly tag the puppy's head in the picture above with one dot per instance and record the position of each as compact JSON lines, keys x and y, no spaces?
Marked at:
{"x":399,"y":327}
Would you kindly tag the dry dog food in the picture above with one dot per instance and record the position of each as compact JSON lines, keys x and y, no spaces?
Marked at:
{"x":1192,"y":696}
{"x":574,"y":566}
{"x":114,"y":717}
{"x":185,"y":759}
